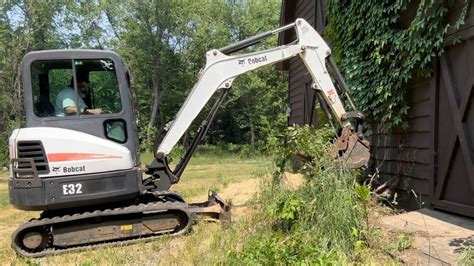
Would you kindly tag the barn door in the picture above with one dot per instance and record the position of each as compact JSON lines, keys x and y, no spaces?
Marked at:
{"x":454,"y":180}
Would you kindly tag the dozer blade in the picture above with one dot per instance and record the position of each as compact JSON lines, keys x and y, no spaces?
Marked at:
{"x":212,"y":210}
{"x":353,"y":148}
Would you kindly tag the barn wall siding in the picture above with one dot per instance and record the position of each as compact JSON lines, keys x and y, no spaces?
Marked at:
{"x":434,"y":157}
{"x":404,"y":160}
{"x":454,"y":124}
{"x":431,"y":161}
{"x":300,"y":94}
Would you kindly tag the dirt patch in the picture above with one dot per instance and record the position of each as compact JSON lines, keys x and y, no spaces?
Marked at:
{"x":293,"y":181}
{"x":239,"y":194}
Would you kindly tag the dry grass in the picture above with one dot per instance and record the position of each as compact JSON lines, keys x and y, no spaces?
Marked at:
{"x":199,"y":246}
{"x":235,"y":179}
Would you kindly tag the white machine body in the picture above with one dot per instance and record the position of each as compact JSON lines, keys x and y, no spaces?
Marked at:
{"x":72,"y":152}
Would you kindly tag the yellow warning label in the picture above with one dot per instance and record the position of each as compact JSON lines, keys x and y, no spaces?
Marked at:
{"x":126,"y":227}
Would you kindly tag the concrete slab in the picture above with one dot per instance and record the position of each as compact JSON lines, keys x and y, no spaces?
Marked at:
{"x":439,"y":237}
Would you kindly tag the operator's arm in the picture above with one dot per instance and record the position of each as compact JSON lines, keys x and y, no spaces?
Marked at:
{"x":67,"y":103}
{"x":71,"y":110}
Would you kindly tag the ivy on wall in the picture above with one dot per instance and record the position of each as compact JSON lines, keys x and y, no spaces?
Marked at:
{"x":381,"y":45}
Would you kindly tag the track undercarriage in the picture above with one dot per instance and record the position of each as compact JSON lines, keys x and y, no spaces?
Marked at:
{"x":154,"y":215}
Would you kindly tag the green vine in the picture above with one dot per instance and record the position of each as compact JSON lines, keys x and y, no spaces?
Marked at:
{"x":382,"y":45}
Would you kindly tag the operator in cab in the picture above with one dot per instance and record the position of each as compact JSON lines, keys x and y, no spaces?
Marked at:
{"x":65,"y":102}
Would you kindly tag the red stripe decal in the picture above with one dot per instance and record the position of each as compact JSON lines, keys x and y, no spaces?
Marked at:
{"x":61,"y":157}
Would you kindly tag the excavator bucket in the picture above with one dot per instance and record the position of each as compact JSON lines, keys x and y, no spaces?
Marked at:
{"x":352,"y":147}
{"x":212,"y":210}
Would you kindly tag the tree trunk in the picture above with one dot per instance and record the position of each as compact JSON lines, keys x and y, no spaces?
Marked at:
{"x":251,"y":125}
{"x":252,"y":132}
{"x":17,"y":101}
{"x":2,"y":121}
{"x":156,"y":103}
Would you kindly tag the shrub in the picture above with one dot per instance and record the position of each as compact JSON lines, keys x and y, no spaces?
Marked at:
{"x":314,"y":223}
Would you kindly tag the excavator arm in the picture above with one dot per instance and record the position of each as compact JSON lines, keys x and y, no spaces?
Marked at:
{"x":221,"y":69}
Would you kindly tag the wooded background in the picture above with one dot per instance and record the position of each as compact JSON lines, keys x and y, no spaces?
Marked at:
{"x":163,"y":43}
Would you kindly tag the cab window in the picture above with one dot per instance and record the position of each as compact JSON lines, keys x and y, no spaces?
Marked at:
{"x":74,"y":87}
{"x":48,"y":78}
{"x":102,"y":92}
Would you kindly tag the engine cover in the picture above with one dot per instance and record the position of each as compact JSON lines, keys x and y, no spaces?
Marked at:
{"x":70,"y":152}
{"x":55,"y":168}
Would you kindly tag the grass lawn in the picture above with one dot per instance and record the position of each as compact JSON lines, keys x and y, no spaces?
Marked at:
{"x":204,"y":172}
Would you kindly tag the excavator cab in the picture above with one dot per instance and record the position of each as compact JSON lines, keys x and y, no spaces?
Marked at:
{"x":63,"y":160}
{"x":48,"y":73}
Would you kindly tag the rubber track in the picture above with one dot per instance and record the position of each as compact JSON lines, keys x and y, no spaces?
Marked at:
{"x":139,"y":208}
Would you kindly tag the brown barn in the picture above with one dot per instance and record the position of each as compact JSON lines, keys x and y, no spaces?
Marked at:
{"x":435,"y":156}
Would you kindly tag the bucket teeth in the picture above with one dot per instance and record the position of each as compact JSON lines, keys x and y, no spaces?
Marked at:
{"x":352,"y":147}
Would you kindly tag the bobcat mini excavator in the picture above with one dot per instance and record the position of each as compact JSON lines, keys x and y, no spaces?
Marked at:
{"x":82,"y":169}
